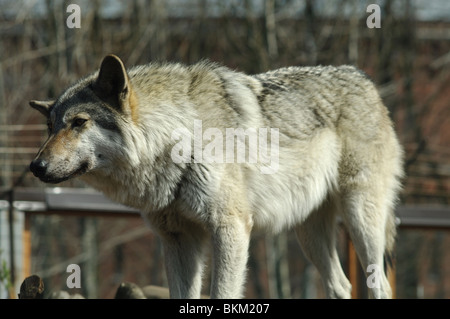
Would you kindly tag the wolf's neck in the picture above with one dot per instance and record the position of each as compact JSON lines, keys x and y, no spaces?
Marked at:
{"x":148,"y":186}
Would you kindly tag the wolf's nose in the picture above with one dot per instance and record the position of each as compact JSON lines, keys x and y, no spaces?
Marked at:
{"x":38,"y":167}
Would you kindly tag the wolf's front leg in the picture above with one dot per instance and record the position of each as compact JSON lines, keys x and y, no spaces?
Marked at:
{"x":184,"y":259}
{"x":230,"y":252}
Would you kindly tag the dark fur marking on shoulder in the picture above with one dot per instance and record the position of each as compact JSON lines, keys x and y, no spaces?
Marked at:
{"x":193,"y":84}
{"x":273,"y":85}
{"x":270,"y":86}
{"x":230,"y":102}
{"x":319,"y":117}
{"x":262,"y":96}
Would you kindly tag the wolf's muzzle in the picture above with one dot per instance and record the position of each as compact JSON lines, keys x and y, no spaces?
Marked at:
{"x":39,"y":167}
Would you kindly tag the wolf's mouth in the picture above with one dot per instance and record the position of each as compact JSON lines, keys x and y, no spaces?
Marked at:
{"x":80,"y":171}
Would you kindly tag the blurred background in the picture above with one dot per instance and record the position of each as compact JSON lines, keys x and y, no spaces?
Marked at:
{"x":408,"y":58}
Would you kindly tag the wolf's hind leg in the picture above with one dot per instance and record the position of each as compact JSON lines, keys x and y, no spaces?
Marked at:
{"x":365,"y":218}
{"x":317,"y":237}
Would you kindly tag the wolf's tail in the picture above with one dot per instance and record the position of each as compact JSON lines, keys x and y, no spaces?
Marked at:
{"x":390,"y":236}
{"x":394,"y":200}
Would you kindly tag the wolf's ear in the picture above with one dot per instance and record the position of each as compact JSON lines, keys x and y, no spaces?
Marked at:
{"x":112,"y":83}
{"x":42,"y":106}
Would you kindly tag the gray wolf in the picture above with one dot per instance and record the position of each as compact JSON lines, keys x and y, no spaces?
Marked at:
{"x":336,"y":150}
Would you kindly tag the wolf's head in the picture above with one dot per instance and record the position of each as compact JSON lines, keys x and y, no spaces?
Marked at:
{"x":84,"y":124}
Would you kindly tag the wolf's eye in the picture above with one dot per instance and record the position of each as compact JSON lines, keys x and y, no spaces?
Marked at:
{"x":78,"y":122}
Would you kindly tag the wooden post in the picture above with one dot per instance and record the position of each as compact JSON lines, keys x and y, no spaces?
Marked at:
{"x":390,"y":271}
{"x":353,"y":266}
{"x":26,"y":242}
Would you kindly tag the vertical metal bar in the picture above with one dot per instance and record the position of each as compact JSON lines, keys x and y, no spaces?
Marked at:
{"x":11,"y":237}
